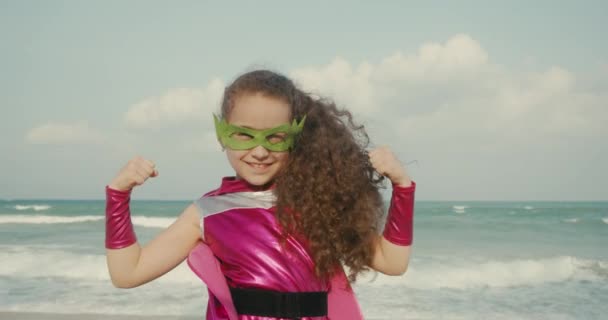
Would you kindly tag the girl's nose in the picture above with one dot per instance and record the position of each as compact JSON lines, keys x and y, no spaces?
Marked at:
{"x":260,"y":152}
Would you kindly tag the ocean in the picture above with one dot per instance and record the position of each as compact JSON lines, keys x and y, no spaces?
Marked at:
{"x":470,"y":260}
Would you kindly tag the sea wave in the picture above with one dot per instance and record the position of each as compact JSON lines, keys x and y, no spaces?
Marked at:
{"x":605,"y":220}
{"x":152,"y":222}
{"x":43,"y":219}
{"x":510,"y":273}
{"x":35,"y":207}
{"x":459,"y":209}
{"x":144,"y":221}
{"x":26,"y":262}
{"x":572,"y":220}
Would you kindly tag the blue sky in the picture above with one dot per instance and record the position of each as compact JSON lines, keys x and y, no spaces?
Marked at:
{"x":495,"y":101}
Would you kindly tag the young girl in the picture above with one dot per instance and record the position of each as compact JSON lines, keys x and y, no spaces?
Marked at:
{"x":271,"y":241}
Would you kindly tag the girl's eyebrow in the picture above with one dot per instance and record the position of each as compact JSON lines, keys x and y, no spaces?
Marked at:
{"x":243,"y":126}
{"x":248,"y":127}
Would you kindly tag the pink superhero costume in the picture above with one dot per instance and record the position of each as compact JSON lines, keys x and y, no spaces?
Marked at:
{"x":241,"y":249}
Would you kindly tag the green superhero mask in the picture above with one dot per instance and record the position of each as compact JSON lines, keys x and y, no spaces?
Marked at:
{"x":278,"y":139}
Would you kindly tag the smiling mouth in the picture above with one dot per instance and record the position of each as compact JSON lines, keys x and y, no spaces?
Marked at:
{"x":259,"y":165}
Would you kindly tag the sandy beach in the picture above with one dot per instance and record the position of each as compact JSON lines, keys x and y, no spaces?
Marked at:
{"x":60,"y":316}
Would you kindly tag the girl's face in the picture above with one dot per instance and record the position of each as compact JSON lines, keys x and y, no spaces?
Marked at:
{"x":258,"y":166}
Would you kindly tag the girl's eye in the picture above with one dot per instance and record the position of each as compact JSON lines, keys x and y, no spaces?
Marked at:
{"x":242,"y":136}
{"x":276,"y":138}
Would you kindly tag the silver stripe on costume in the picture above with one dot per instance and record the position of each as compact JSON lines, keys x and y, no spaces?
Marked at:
{"x":217,"y":204}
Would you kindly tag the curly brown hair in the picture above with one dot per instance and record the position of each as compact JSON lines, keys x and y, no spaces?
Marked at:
{"x":328,"y":181}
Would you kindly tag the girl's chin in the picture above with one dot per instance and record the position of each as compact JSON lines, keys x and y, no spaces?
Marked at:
{"x":256,"y":181}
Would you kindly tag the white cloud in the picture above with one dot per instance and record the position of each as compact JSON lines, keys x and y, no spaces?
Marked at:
{"x":434,"y":61}
{"x":453,"y":90}
{"x":175,"y":106}
{"x":339,"y":79}
{"x":399,"y":79}
{"x":64,"y":133}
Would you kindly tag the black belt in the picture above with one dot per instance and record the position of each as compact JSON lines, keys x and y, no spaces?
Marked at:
{"x":276,"y":304}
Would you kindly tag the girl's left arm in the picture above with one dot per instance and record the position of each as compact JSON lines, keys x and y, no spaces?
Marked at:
{"x":392,"y":248}
{"x":389,"y":258}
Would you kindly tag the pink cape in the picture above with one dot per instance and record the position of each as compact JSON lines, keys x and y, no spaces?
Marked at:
{"x":342,"y":304}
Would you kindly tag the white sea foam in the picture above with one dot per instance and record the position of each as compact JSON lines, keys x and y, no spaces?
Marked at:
{"x":42,"y":219}
{"x":149,"y":222}
{"x":528,"y":207}
{"x":152,"y":222}
{"x":459,"y":209}
{"x":605,"y":220}
{"x":572,"y":220}
{"x":26,"y":262}
{"x":513,"y":273}
{"x":35,"y":207}
{"x":36,"y":262}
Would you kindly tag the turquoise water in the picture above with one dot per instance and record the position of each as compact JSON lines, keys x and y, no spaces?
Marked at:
{"x":471,"y":260}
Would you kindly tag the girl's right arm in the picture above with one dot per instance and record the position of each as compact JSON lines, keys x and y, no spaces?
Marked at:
{"x":129,"y":264}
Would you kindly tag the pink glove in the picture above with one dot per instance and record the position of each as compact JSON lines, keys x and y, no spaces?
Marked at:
{"x":119,"y":229}
{"x":400,"y":221}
